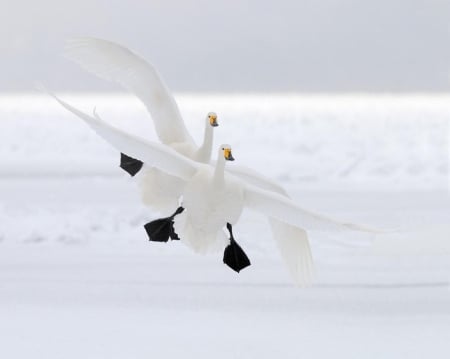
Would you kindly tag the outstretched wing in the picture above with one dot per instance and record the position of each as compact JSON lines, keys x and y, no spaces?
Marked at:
{"x":153,"y":154}
{"x":276,"y":206}
{"x":249,"y":176}
{"x":116,"y":63}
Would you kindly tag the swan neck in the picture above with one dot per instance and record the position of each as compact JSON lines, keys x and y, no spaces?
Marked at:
{"x":219,"y":173}
{"x":204,"y":152}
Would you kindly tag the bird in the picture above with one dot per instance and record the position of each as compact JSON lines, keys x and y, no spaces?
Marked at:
{"x":113,"y":62}
{"x":214,"y":199}
{"x":116,"y":63}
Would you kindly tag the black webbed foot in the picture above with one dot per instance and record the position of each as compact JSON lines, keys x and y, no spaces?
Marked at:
{"x":234,"y":256}
{"x":130,"y":164}
{"x":161,"y":230}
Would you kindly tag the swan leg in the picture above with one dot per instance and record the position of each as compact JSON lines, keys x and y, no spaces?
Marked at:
{"x":234,"y":256}
{"x":161,"y":230}
{"x":130,"y":164}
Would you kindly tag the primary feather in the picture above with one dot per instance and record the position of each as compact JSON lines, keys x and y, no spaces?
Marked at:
{"x":116,"y":63}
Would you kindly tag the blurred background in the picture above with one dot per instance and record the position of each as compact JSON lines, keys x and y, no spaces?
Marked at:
{"x":345,"y":103}
{"x":235,"y":46}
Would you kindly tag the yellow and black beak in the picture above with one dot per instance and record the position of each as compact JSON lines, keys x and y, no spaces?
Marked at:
{"x":213,"y":120}
{"x":227,"y":154}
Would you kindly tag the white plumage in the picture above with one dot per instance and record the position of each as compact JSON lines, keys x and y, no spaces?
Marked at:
{"x":116,"y":63}
{"x":213,"y":197}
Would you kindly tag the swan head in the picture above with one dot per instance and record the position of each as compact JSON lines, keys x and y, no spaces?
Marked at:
{"x":226,"y":150}
{"x":212,"y":118}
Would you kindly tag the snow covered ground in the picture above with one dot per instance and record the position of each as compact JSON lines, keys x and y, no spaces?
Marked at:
{"x":78,"y":279}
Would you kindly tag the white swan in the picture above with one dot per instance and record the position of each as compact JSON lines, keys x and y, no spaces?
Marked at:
{"x":116,"y":63}
{"x":213,"y":198}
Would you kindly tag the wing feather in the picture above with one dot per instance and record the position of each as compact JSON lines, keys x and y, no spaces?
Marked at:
{"x":153,"y":154}
{"x":116,"y":63}
{"x":285,"y":210}
{"x":294,"y":247}
{"x":254,"y":178}
{"x":292,"y":241}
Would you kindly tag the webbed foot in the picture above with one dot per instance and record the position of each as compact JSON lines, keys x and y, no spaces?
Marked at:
{"x":130,"y":164}
{"x":161,"y":230}
{"x":234,"y":256}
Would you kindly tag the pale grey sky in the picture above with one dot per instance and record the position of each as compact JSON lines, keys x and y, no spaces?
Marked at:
{"x":224,"y":45}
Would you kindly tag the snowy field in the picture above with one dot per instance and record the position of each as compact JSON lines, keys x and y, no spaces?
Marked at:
{"x":78,"y":279}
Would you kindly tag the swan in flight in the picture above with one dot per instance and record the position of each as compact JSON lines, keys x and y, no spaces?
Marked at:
{"x":113,"y":62}
{"x":214,"y":199}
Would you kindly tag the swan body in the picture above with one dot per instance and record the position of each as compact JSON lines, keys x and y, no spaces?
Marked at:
{"x":213,"y":197}
{"x":221,"y":202}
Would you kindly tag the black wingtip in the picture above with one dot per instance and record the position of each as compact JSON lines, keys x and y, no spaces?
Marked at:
{"x":129,"y":164}
{"x":234,"y":257}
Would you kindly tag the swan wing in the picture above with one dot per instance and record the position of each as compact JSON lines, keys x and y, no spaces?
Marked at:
{"x":153,"y":154}
{"x":279,"y":207}
{"x":294,"y":247}
{"x":292,"y":241}
{"x":254,"y":178}
{"x":116,"y":63}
